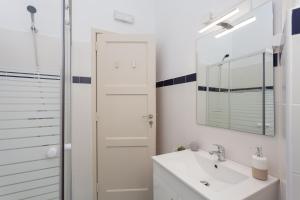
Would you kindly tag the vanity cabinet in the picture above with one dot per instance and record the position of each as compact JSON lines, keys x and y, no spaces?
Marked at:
{"x":167,"y":187}
{"x":188,"y":175}
{"x":162,"y":191}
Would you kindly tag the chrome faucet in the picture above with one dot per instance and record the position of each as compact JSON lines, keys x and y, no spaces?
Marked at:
{"x":220,"y":152}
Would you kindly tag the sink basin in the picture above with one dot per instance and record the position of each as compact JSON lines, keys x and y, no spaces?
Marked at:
{"x":218,"y":176}
{"x":212,"y":179}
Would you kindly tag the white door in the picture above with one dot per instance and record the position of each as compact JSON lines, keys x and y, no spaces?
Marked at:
{"x":126,"y":116}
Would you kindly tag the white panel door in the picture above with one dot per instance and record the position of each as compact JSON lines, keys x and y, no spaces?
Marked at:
{"x":126,"y":116}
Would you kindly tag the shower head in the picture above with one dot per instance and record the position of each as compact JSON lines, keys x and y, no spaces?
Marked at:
{"x":31,"y":9}
{"x":226,"y":56}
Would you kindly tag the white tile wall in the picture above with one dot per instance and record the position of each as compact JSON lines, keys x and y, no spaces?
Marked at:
{"x":296,"y":69}
{"x":295,"y":115}
{"x":296,"y":190}
{"x":292,"y":116}
{"x":81,"y":142}
{"x":81,"y":124}
{"x":17,"y":44}
{"x":295,"y":130}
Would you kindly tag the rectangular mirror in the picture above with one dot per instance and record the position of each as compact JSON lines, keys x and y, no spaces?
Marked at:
{"x":235,"y":84}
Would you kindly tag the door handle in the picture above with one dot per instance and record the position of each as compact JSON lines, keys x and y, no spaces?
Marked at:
{"x":150,"y":116}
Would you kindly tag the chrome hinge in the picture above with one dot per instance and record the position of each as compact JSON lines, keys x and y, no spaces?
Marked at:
{"x":97,"y":46}
{"x":97,"y":187}
{"x":97,"y":117}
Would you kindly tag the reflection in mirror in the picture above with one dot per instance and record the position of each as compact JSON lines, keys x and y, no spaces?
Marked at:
{"x":235,"y":76}
{"x":218,"y":98}
{"x":246,"y":93}
{"x":269,"y":100}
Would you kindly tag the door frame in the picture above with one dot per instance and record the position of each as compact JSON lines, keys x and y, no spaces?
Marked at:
{"x":95,"y":32}
{"x":94,"y":101}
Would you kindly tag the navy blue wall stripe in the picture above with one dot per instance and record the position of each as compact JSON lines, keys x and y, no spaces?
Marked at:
{"x":296,"y":21}
{"x":177,"y":80}
{"x":191,"y":77}
{"x":213,"y":89}
{"x":202,"y":88}
{"x":169,"y":82}
{"x":82,"y":79}
{"x":159,"y":84}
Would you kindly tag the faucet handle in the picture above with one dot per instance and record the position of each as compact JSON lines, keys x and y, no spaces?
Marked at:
{"x":220,"y":152}
{"x":220,"y":147}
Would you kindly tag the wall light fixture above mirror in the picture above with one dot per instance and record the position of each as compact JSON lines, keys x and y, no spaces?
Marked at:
{"x":236,"y":27}
{"x":220,"y":20}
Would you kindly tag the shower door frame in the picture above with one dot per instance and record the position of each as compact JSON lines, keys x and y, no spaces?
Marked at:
{"x":66,"y":77}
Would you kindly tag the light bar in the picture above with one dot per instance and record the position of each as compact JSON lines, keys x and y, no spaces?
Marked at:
{"x":236,"y":27}
{"x":232,"y":13}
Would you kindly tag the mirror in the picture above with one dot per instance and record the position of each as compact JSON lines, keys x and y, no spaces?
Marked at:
{"x":235,"y":85}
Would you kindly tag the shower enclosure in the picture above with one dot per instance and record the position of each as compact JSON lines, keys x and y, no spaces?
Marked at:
{"x":35,"y":100}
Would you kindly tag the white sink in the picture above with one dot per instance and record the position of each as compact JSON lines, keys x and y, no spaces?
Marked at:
{"x":215,"y":180}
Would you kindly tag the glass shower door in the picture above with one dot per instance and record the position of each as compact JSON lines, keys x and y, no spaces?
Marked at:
{"x":31,"y":83}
